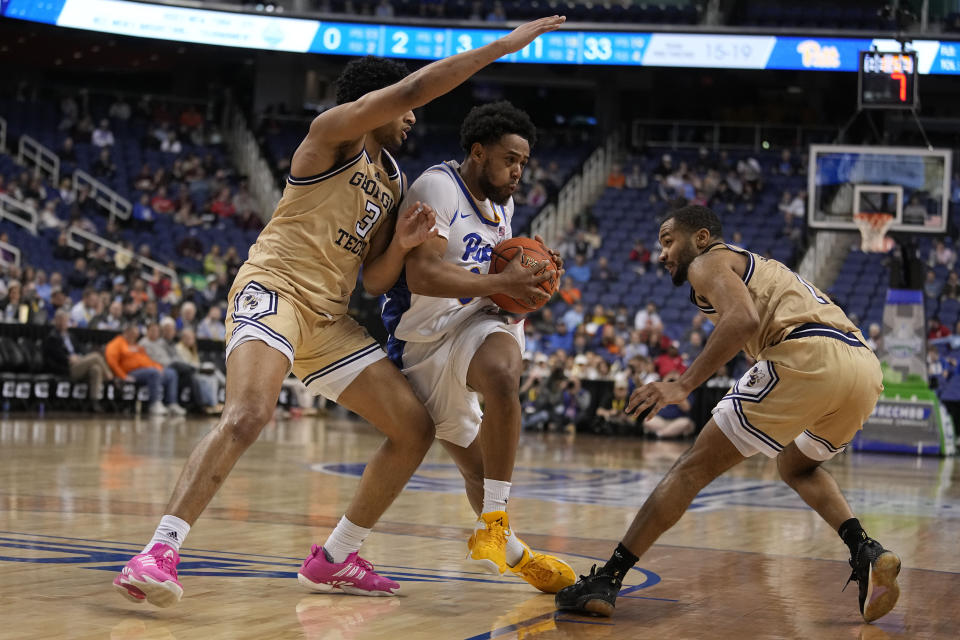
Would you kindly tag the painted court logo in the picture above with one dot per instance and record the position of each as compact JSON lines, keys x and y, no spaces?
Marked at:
{"x":629,"y":488}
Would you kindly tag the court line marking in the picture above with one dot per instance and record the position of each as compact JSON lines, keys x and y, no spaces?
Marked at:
{"x":195,"y":566}
{"x":195,"y":563}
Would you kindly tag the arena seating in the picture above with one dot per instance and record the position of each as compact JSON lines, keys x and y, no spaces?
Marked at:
{"x":130,"y":152}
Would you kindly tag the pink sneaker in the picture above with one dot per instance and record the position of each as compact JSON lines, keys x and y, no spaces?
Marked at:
{"x":354,"y":575}
{"x":151,"y":576}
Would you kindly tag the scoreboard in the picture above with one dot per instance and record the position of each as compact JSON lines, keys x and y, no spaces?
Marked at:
{"x":888,"y":80}
{"x":613,"y":45}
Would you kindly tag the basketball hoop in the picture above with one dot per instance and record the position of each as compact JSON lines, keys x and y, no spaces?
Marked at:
{"x":873,"y":231}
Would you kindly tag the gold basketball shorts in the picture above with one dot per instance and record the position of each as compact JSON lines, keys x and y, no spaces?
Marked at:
{"x":816,"y":388}
{"x":327,"y":353}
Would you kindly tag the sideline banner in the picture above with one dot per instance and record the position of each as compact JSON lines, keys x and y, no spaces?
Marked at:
{"x":921,"y":427}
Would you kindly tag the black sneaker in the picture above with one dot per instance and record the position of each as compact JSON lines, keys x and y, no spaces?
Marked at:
{"x":592,"y":595}
{"x":875,"y":571}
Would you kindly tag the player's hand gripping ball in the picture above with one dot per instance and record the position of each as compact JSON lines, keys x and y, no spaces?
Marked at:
{"x":535,"y":256}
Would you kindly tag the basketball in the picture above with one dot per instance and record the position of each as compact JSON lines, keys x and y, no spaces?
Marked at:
{"x":533,"y":252}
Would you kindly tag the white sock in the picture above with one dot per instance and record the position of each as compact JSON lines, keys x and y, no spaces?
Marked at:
{"x":345,"y":539}
{"x":495,"y":495}
{"x":172,"y":531}
{"x":514,"y":551}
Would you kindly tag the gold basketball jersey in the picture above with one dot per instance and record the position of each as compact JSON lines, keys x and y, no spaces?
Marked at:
{"x":785,"y":302}
{"x":312,"y":248}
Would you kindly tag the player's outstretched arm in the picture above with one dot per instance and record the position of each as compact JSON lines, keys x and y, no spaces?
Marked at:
{"x":391,"y":243}
{"x":714,"y":277}
{"x":428,"y":274}
{"x":352,"y":120}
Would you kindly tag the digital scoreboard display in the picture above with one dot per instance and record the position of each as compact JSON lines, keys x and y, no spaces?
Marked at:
{"x":616,"y":46}
{"x":888,"y":80}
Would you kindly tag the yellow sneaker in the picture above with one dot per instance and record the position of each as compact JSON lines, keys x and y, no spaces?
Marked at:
{"x":487,"y":545}
{"x":547,"y":573}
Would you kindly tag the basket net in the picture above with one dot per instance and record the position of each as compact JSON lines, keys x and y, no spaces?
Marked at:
{"x":873,"y":231}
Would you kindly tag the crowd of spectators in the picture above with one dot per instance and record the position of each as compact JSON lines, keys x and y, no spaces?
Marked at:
{"x":569,"y":344}
{"x":122,"y":301}
{"x":120,"y":291}
{"x":190,"y":184}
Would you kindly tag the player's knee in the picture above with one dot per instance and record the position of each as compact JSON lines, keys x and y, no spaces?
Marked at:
{"x":791,"y":468}
{"x":242,"y":422}
{"x":415,"y":428}
{"x":501,"y":381}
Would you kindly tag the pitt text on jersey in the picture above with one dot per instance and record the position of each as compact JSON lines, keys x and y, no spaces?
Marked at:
{"x":476,"y":249}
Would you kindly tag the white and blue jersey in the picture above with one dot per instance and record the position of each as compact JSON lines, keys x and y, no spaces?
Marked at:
{"x":471,"y":229}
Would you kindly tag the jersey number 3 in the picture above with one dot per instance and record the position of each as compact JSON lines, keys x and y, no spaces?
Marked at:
{"x":366,"y":223}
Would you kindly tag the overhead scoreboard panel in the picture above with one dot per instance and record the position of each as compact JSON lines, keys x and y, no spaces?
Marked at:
{"x":619,"y":45}
{"x":887,"y":80}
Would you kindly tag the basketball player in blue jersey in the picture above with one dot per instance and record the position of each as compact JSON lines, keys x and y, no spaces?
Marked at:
{"x":288,"y":312}
{"x":451,"y":342}
{"x":813,"y":386}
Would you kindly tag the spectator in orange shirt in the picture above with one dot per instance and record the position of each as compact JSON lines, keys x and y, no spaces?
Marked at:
{"x":616,"y":179}
{"x":130,"y":362}
{"x":191,"y":118}
{"x":569,"y":291}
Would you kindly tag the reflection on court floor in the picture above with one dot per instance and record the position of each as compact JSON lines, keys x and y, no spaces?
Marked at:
{"x":79,"y":496}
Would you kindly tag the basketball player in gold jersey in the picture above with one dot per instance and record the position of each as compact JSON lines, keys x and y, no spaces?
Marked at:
{"x":288,"y":311}
{"x":813,"y":386}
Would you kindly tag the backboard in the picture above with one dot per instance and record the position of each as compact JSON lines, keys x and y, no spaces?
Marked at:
{"x":913,"y":184}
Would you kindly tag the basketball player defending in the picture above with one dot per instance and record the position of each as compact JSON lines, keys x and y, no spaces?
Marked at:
{"x":451,"y":342}
{"x":288,"y":310}
{"x":813,"y":385}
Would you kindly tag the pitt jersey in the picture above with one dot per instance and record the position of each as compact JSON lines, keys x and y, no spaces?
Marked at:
{"x":786,"y":303}
{"x":471,"y":229}
{"x":312,"y":248}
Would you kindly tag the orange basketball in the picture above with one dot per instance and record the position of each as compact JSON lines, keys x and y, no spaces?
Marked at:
{"x":533,"y":253}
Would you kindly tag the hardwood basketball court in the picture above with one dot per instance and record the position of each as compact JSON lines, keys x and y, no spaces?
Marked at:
{"x":80,"y":495}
